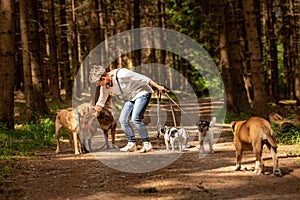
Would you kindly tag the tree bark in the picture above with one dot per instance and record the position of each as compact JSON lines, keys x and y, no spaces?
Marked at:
{"x":285,"y":37}
{"x":136,"y":24}
{"x":7,"y":64}
{"x":28,"y":87}
{"x":64,"y":62}
{"x":231,"y":63}
{"x":35,"y":59}
{"x":54,"y":82}
{"x":260,"y":95}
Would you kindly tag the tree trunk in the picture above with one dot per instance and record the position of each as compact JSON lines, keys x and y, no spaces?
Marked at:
{"x":274,"y":52}
{"x":162,"y":24}
{"x":94,"y":31}
{"x":35,"y":58}
{"x":7,"y":64}
{"x":66,"y":81}
{"x":136,"y":24}
{"x":231,"y":63}
{"x":43,"y":49}
{"x":54,"y":83}
{"x":224,"y":61}
{"x":75,"y":52}
{"x":285,"y":34}
{"x":28,"y":87}
{"x":260,"y":95}
{"x":294,"y":54}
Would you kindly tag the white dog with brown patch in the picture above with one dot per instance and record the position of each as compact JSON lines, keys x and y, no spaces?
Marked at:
{"x":173,"y":135}
{"x":205,"y":133}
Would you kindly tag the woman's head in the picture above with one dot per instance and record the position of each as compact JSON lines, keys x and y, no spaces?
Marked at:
{"x":97,"y":73}
{"x":99,"y":76}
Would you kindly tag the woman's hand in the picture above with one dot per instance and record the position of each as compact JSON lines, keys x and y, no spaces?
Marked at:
{"x":161,"y":88}
{"x":98,"y":109}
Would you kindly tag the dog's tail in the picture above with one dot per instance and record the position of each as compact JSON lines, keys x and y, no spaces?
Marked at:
{"x":271,"y":139}
{"x":212,"y":123}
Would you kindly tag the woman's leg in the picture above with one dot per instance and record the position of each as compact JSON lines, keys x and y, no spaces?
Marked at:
{"x":125,"y":120}
{"x":139,"y":108}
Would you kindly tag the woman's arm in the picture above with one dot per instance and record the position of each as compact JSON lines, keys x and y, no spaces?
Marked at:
{"x":161,"y":88}
{"x":104,"y":93}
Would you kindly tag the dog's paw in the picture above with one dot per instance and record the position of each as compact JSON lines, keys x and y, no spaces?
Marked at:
{"x":259,"y":172}
{"x":236,"y":168}
{"x":277,"y":172}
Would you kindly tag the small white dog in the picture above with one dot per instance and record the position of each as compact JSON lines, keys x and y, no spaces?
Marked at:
{"x":174,"y":135}
{"x":205,"y":132}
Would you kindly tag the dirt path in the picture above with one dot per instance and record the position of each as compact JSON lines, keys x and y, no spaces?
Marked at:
{"x":47,"y":176}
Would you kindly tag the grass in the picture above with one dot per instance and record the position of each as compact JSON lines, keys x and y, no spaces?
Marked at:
{"x":287,"y":137}
{"x":26,"y":138}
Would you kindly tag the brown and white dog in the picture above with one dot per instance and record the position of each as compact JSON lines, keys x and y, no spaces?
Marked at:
{"x":252,"y":134}
{"x":205,"y":133}
{"x":75,"y":121}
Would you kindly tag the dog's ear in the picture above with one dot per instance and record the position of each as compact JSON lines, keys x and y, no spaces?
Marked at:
{"x":232,"y":124}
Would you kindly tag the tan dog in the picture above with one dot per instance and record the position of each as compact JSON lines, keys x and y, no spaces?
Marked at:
{"x":252,"y":134}
{"x":74,"y":120}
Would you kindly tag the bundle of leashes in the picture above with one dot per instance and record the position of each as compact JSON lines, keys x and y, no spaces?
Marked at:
{"x":171,"y":102}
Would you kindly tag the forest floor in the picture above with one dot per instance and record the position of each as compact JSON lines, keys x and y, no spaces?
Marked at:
{"x":46,"y":175}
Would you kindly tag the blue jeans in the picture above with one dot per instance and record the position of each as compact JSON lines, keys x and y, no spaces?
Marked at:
{"x":135,"y":110}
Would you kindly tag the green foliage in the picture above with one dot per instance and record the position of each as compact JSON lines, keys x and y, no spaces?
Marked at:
{"x":24,"y":138}
{"x":233,"y":117}
{"x":288,"y":137}
{"x":5,"y":171}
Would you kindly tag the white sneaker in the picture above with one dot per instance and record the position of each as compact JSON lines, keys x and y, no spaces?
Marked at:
{"x":146,"y":147}
{"x":131,"y":146}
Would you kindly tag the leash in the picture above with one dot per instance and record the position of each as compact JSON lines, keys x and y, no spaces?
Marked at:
{"x":172,"y":110}
{"x":173,"y":114}
{"x":178,"y":106}
{"x":158,"y":113}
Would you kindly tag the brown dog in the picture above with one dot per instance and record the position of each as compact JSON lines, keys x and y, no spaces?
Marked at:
{"x":74,"y":120}
{"x":106,"y":119}
{"x":252,"y":134}
{"x":107,"y":123}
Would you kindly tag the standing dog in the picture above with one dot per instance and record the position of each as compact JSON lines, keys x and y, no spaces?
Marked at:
{"x":107,"y":122}
{"x":74,"y":120}
{"x":204,"y":128}
{"x":252,"y":134}
{"x":106,"y":119}
{"x":174,"y":135}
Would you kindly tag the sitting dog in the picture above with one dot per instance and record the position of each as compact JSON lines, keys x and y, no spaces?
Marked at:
{"x":174,"y":135}
{"x":205,"y":132}
{"x":74,"y":120}
{"x":252,"y":134}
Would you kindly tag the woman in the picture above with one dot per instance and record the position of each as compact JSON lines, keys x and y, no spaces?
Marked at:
{"x":136,"y":91}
